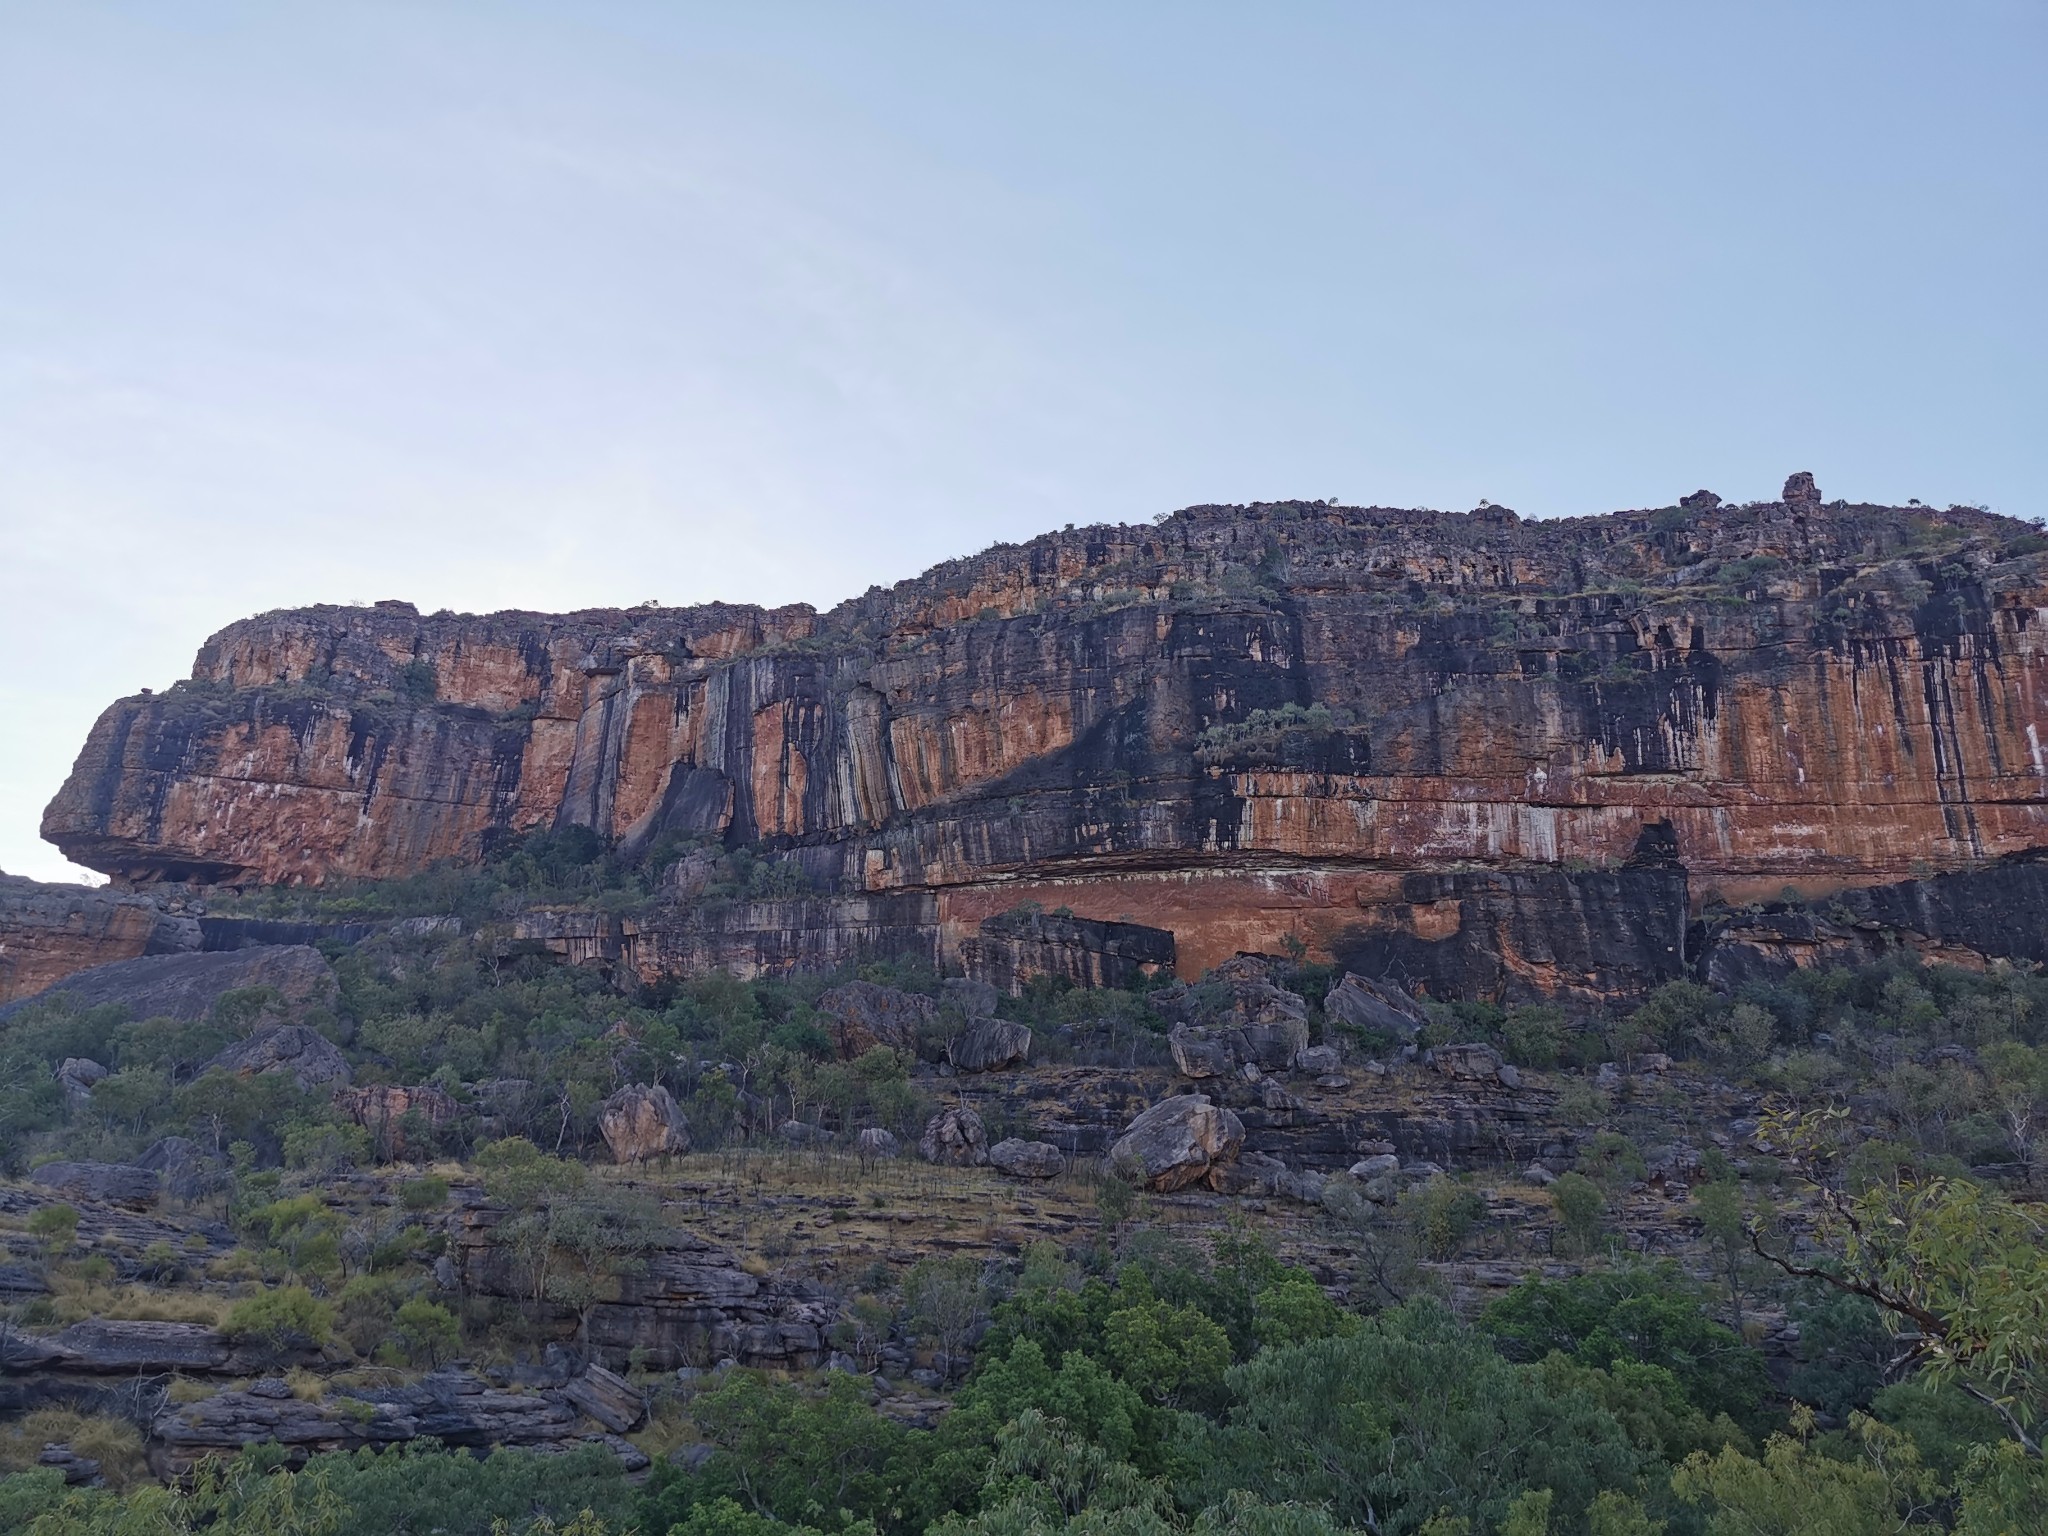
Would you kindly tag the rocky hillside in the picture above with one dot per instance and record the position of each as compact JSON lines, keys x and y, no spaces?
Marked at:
{"x":1491,"y":756}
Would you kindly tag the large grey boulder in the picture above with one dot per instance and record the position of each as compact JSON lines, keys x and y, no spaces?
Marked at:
{"x":641,"y":1121}
{"x":608,"y":1398}
{"x":1178,"y":1142}
{"x":860,"y":1015}
{"x":955,"y":1137}
{"x":78,"y":1076}
{"x":1201,"y":1053}
{"x":307,"y":1054}
{"x":1026,"y":1159}
{"x":988,"y":1044}
{"x":1379,"y":1007}
{"x":874,"y":1144}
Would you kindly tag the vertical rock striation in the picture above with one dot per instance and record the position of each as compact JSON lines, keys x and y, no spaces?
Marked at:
{"x":1495,"y":755}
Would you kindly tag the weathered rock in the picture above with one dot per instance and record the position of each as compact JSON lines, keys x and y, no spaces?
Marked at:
{"x":304,"y":1052}
{"x":77,"y":1076}
{"x":1027,"y":1159}
{"x":1178,"y":1142}
{"x":1516,"y":784}
{"x":187,"y":1170}
{"x":187,"y":986}
{"x":1318,"y":1060}
{"x":51,"y":931}
{"x":861,"y":1015}
{"x":1201,"y":1053}
{"x":1800,"y":492}
{"x":1469,"y":1063}
{"x":874,"y":1144}
{"x":608,"y":1398}
{"x":642,"y":1121}
{"x":1376,"y":1165}
{"x":1537,"y":1174}
{"x":79,"y":1471}
{"x":1012,"y":949}
{"x":955,"y":1137}
{"x":988,"y":1044}
{"x":386,"y":1111}
{"x":801,"y":1133}
{"x":1377,"y":1007}
{"x":113,"y":1183}
{"x":106,"y":1346}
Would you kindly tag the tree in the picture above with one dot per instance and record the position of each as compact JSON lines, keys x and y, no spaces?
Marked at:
{"x":1411,"y":1415}
{"x":280,"y":1320}
{"x":1959,"y":1270}
{"x":1581,"y":1212}
{"x":425,"y":1334}
{"x":945,"y":1299}
{"x":1727,"y":1230}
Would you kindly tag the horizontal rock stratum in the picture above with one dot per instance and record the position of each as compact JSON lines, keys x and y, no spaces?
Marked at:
{"x":1495,"y":755}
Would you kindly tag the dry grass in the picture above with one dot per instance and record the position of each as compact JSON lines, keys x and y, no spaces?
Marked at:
{"x":75,"y":1300}
{"x":114,"y":1443}
{"x":184,"y":1389}
{"x":307,"y":1386}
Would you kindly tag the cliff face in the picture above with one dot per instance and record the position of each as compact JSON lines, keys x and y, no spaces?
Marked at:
{"x":1519,"y":754}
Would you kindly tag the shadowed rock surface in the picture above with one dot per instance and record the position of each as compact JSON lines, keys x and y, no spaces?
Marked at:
{"x":187,"y":986}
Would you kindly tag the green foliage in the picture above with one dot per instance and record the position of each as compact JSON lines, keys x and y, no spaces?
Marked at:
{"x":425,"y":1334}
{"x":55,"y":1227}
{"x":1648,"y":1314}
{"x":279,"y":1320}
{"x":1581,"y":1213}
{"x":1409,"y":1416}
{"x":1440,"y":1213}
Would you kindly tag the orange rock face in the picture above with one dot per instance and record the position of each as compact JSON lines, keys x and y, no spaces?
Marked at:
{"x":1255,"y":726}
{"x":48,"y":932}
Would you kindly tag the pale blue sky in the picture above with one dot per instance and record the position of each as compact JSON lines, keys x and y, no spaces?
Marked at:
{"x":534,"y":305}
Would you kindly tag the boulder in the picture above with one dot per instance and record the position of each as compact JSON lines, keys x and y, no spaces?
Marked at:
{"x":1273,"y":1040}
{"x":874,"y":1144}
{"x":1470,"y":1063}
{"x":860,"y":1015}
{"x":1259,"y":1173}
{"x":1373,"y":1167}
{"x":78,"y":1471}
{"x":955,"y":1137}
{"x":642,"y":1121}
{"x":1201,"y":1053}
{"x":608,"y":1398}
{"x":307,"y":1054}
{"x":188,"y":1170}
{"x":383,"y":1109}
{"x":1379,"y":1007}
{"x":987,"y":1044}
{"x":1027,"y":1159}
{"x":78,"y":1076}
{"x":1178,"y":1142}
{"x":1539,"y":1175}
{"x":1800,"y":491}
{"x":801,"y":1133}
{"x":107,"y":1183}
{"x":1319,"y":1060}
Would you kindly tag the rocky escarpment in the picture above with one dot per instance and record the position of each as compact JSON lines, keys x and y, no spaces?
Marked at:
{"x":1491,"y":756}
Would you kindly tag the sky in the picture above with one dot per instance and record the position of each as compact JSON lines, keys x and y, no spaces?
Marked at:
{"x":518,"y":305}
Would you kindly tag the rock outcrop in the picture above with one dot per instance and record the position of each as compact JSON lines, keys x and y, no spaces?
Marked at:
{"x":51,"y":931}
{"x":308,"y":1055}
{"x":955,"y":1137}
{"x":1027,"y":1159}
{"x":642,"y":1121}
{"x":1178,"y":1142}
{"x":862,"y":1015}
{"x":989,"y":1044}
{"x":1485,"y":756}
{"x":187,"y":986}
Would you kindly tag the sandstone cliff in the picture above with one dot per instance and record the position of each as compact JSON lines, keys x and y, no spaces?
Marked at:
{"x":1493,"y":754}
